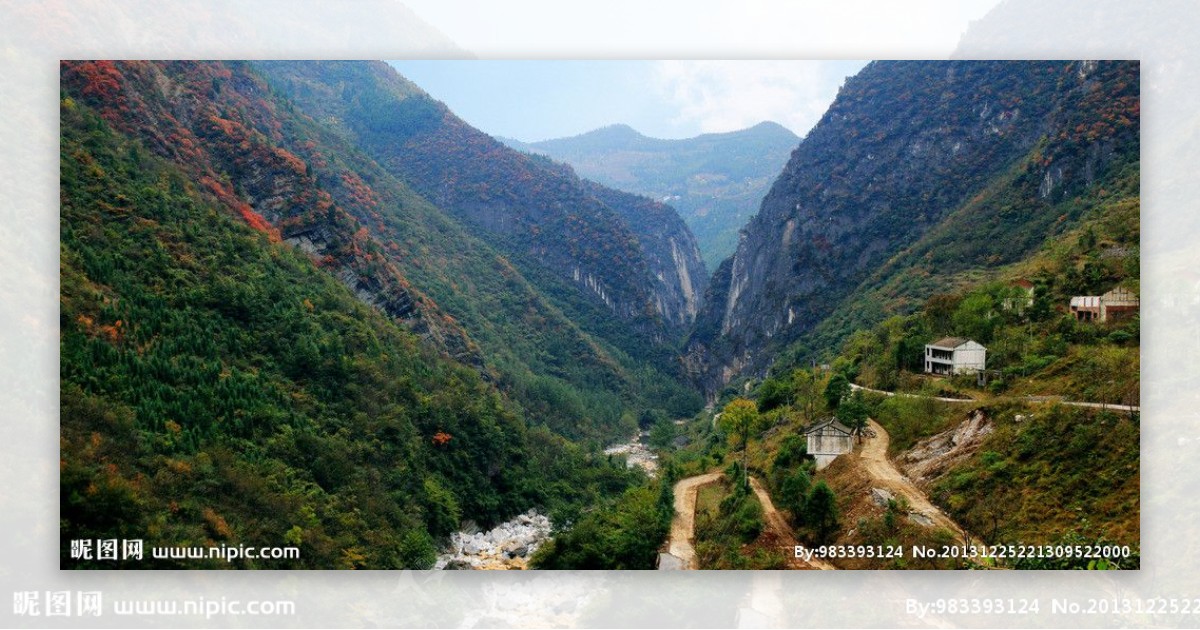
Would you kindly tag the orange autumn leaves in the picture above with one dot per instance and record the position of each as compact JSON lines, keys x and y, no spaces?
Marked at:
{"x":113,"y":332}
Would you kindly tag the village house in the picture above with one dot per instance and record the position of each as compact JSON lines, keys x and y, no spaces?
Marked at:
{"x":1086,"y":308}
{"x":954,"y":355}
{"x":827,"y":439}
{"x":1119,"y":304}
{"x":1022,"y":302}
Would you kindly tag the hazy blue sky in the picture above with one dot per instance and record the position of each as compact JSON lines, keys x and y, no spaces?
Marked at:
{"x":538,"y":100}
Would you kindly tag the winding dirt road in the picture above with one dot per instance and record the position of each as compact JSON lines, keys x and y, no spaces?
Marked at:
{"x":683,"y":525}
{"x":779,"y":525}
{"x":875,"y":463}
{"x":883,"y":473}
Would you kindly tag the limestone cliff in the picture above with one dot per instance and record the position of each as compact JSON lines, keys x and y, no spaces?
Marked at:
{"x":915,"y":152}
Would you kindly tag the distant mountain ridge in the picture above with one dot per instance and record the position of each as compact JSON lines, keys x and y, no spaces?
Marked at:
{"x":716,"y":180}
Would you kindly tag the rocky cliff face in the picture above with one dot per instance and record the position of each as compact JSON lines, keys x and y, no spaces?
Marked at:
{"x":214,"y":120}
{"x":670,"y":250}
{"x":714,"y":180}
{"x":905,"y":145}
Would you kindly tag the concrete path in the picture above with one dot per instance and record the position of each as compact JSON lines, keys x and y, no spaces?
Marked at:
{"x":1030,"y":399}
{"x":885,"y":393}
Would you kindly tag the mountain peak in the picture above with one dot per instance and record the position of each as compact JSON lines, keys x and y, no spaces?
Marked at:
{"x":617,"y":130}
{"x":615,"y":134}
{"x":766,"y":130}
{"x":770,"y":127}
{"x":715,"y":180}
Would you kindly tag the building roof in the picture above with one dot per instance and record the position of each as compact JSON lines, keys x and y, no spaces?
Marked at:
{"x":1023,"y":283}
{"x":1120,"y":294}
{"x":949,"y":342}
{"x":1085,"y":301}
{"x":829,"y":423}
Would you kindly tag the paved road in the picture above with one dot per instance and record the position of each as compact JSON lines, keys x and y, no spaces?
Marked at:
{"x":1074,"y":403}
{"x":880,"y":391}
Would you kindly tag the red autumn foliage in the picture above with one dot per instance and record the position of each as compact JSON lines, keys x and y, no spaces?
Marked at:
{"x":256,"y":221}
{"x":113,"y":333}
{"x":359,"y":191}
{"x":100,"y":80}
{"x":294,"y":163}
{"x":211,"y":119}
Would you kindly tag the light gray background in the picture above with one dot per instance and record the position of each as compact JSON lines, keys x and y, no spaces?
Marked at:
{"x":35,"y":35}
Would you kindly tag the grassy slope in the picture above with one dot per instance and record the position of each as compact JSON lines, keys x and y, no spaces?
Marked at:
{"x":1061,"y":471}
{"x":985,"y":241}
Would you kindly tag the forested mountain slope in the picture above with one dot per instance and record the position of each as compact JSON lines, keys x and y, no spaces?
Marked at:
{"x":223,"y":388}
{"x":926,"y":169}
{"x":304,"y":181}
{"x":534,"y":210}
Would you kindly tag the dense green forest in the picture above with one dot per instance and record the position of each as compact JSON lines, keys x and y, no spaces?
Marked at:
{"x":218,"y":387}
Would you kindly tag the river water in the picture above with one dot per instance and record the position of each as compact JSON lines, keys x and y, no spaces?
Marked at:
{"x":512,"y":543}
{"x":509,"y":545}
{"x":637,"y":453}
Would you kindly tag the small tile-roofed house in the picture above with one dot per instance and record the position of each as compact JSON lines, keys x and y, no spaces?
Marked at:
{"x":954,"y":355}
{"x":827,"y":439}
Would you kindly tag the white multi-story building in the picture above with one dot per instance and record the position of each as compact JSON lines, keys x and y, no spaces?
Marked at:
{"x":954,"y":355}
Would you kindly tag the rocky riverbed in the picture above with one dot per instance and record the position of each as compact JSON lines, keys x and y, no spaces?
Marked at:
{"x":509,"y":545}
{"x":637,"y":454}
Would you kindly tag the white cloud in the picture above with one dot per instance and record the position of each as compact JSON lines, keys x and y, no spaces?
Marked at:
{"x":729,"y":95}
